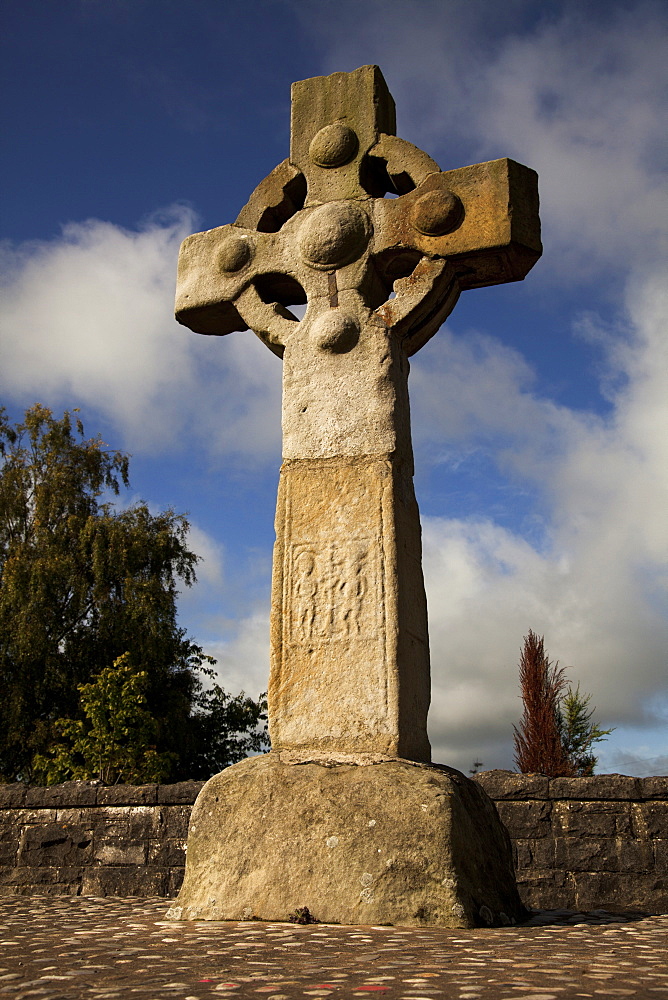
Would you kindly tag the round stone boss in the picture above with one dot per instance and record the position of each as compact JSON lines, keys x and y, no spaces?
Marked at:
{"x":335,"y":331}
{"x":334,"y":234}
{"x":436,"y":213}
{"x":333,"y":146}
{"x":234,"y":252}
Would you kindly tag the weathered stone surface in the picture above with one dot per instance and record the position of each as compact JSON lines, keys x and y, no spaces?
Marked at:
{"x":162,"y":829}
{"x":660,"y":850}
{"x":167,"y":853}
{"x":654,"y":788}
{"x":179,"y":793}
{"x":127,"y":795}
{"x":600,"y":819}
{"x":510,"y":785}
{"x":349,"y":615}
{"x":13,"y":795}
{"x":173,"y":821}
{"x":526,"y":819}
{"x":394,"y":842}
{"x":70,"y":793}
{"x":125,"y":881}
{"x":654,"y":818}
{"x":617,"y":890}
{"x":532,"y":853}
{"x":598,"y":786}
{"x":54,"y":845}
{"x":103,"y":850}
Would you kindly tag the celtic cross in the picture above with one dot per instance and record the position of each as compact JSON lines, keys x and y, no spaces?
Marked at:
{"x":377,"y":242}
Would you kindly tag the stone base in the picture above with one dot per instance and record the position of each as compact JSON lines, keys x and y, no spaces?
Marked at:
{"x":388,"y":843}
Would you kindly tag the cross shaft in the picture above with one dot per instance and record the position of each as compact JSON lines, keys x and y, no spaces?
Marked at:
{"x":350,"y":660}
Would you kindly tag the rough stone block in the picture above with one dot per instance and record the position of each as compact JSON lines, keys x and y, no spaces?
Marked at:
{"x":27,"y":881}
{"x":173,"y":822}
{"x":371,"y":628}
{"x":36,"y":817}
{"x":127,"y":822}
{"x":54,"y":845}
{"x":660,"y":856}
{"x":69,"y":793}
{"x":124,"y":881}
{"x":35,"y":797}
{"x":545,"y":889}
{"x":509,"y":785}
{"x":585,"y":854}
{"x":180,"y":793}
{"x":533,"y":854}
{"x":120,"y":852}
{"x":525,"y":819}
{"x":634,"y":856}
{"x":76,"y":815}
{"x":655,"y":787}
{"x":10,"y":832}
{"x":620,"y":891}
{"x":13,"y":795}
{"x":654,"y":819}
{"x":598,"y":786}
{"x":128,"y":795}
{"x":175,"y":882}
{"x":167,"y":853}
{"x":592,"y":819}
{"x":394,"y":842}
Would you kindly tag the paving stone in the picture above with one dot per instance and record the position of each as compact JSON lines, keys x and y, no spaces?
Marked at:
{"x":83,"y":948}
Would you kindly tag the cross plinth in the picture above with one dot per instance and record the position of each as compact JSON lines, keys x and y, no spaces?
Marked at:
{"x":378,"y":275}
{"x":377,"y":242}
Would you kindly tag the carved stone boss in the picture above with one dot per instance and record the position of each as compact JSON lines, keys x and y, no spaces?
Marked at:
{"x":378,"y":242}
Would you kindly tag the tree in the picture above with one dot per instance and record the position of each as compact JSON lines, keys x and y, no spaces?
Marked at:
{"x":81,"y":583}
{"x":226,"y":729}
{"x":556,"y":731}
{"x":116,"y":743}
{"x":538,"y":745}
{"x":579,"y":732}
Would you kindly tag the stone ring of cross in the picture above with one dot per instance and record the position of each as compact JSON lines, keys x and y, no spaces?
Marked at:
{"x":360,"y":226}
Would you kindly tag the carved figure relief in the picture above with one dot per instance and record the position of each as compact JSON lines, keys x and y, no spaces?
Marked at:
{"x":334,"y":592}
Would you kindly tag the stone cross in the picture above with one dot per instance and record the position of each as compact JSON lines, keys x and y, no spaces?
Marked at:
{"x":365,"y":230}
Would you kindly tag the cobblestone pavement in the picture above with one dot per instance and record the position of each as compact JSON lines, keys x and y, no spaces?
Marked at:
{"x":82,"y":948}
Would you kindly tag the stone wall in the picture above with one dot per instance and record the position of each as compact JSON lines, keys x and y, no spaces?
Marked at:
{"x":586,"y":843}
{"x":579,"y":843}
{"x":86,"y":839}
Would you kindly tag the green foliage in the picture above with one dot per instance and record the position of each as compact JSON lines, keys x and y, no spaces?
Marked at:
{"x":82,"y":582}
{"x":116,"y":742}
{"x":578,"y":731}
{"x":226,"y":729}
{"x":556,"y":731}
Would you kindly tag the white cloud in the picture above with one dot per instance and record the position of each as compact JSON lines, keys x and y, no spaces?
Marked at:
{"x":578,"y":92}
{"x":243,"y":657}
{"x":210,"y":568}
{"x":598,"y":583}
{"x":88,"y":318}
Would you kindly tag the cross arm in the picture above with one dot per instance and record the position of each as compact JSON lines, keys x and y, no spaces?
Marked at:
{"x":493,"y":227}
{"x":219,"y":284}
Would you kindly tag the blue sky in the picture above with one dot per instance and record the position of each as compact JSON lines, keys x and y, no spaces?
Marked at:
{"x":539,"y":410}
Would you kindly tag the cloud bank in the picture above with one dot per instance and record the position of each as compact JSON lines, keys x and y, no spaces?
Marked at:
{"x":578,"y":91}
{"x":89,"y":317}
{"x":593,"y":579}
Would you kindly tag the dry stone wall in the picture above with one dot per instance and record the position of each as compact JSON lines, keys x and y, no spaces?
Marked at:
{"x":86,"y":839}
{"x":578,"y":843}
{"x":586,"y":843}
